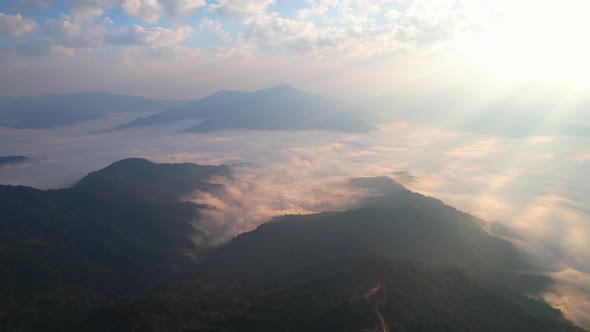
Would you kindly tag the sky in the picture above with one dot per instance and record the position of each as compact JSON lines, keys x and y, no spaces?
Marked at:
{"x":351,"y":48}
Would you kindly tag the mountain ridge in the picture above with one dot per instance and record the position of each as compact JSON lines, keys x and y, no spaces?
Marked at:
{"x":279,"y":107}
{"x":57,"y":110}
{"x":114,"y":253}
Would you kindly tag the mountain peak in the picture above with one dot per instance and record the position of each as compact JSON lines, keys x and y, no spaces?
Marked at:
{"x":281,"y":87}
{"x":225,"y":92}
{"x":130,"y":162}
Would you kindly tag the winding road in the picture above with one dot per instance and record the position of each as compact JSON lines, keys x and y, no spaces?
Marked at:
{"x":377,"y":297}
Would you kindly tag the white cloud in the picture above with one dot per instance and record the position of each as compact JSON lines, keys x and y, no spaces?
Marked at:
{"x":183,"y":7}
{"x":86,"y":14}
{"x":151,"y":37}
{"x":392,"y":15}
{"x":307,"y":12}
{"x":349,"y":29}
{"x":208,"y":24}
{"x":292,"y":35}
{"x":15,"y":25}
{"x":153,"y":10}
{"x":244,"y":11}
{"x":69,"y":33}
{"x":147,"y":10}
{"x":216,"y":27}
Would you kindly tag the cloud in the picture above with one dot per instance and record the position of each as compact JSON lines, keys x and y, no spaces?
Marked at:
{"x":348,"y":39}
{"x":477,"y":149}
{"x":259,"y":194}
{"x":152,"y":10}
{"x":147,"y":10}
{"x":215,"y":26}
{"x":570,"y":294}
{"x":183,"y":7}
{"x":86,"y":14}
{"x":285,"y":35}
{"x":69,"y":33}
{"x":16,"y":25}
{"x":308,"y":12}
{"x":208,"y":24}
{"x":151,"y":37}
{"x":349,"y":29}
{"x":243,"y":11}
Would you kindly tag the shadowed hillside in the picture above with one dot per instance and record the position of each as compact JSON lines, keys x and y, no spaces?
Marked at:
{"x":113,"y":254}
{"x":65,"y":252}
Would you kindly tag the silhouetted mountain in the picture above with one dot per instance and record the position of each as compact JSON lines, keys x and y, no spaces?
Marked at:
{"x":400,"y":225}
{"x":280,"y":107}
{"x":319,"y":273}
{"x":9,"y":160}
{"x":335,"y":295}
{"x":144,"y":180}
{"x":65,"y":252}
{"x":112,"y":254}
{"x":54,"y":110}
{"x":381,"y":185}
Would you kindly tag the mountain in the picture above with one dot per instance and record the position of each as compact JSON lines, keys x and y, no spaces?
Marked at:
{"x":418,"y":267}
{"x":63,"y":253}
{"x":9,"y":160}
{"x":147,"y":181}
{"x":55,"y":110}
{"x":400,"y":225}
{"x":280,"y":107}
{"x":363,"y":294}
{"x":113,"y":253}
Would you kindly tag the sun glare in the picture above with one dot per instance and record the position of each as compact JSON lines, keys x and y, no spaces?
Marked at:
{"x":537,"y":40}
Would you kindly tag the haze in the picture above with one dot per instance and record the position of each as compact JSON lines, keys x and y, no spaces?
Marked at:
{"x":482,"y":104}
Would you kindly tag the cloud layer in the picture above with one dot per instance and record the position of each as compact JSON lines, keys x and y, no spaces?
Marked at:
{"x":535,"y":186}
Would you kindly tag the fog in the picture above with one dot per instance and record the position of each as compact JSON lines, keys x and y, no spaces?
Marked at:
{"x":536,"y":186}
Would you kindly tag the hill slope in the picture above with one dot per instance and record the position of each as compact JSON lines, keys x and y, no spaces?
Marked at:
{"x":317,"y":273}
{"x":65,"y":252}
{"x":110,"y":254}
{"x":335,"y":296}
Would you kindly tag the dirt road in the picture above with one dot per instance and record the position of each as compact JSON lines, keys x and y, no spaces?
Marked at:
{"x":377,"y":297}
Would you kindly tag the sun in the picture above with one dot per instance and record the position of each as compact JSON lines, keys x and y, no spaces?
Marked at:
{"x":534,"y":40}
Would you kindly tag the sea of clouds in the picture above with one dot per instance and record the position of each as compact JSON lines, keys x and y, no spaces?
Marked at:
{"x":537,"y":187}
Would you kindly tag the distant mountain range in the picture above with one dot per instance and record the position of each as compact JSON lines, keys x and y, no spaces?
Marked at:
{"x":113,"y":253}
{"x":280,"y":107}
{"x":10,"y":160}
{"x":55,"y":110}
